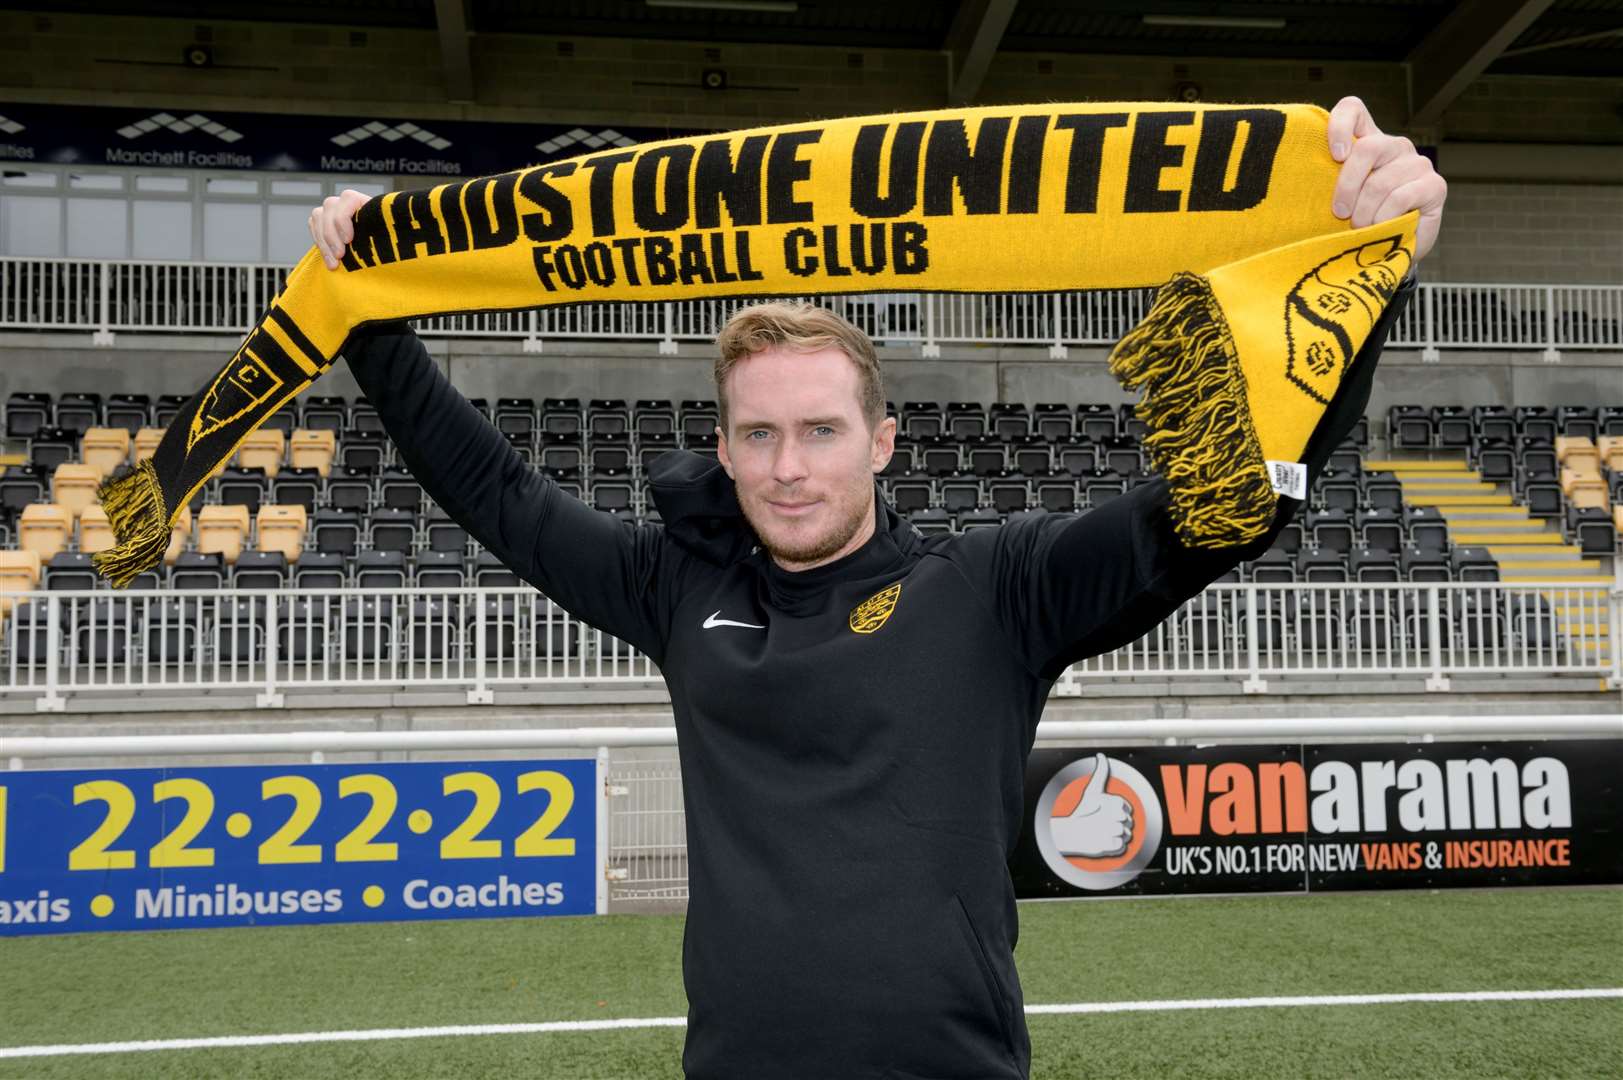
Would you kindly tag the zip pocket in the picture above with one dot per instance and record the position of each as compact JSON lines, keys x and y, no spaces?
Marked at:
{"x":972,"y":938}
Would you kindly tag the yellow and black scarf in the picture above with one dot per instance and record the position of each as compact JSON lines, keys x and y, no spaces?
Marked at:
{"x":1265,"y":295}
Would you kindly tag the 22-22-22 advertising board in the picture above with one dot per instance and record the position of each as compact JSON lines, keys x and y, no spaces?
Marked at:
{"x":148,"y":849}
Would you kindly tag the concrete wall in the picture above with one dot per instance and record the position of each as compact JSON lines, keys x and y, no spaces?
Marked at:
{"x":1520,"y":227}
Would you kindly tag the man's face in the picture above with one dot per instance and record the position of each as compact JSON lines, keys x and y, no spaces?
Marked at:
{"x":801,"y":454}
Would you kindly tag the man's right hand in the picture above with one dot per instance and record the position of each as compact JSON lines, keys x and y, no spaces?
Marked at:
{"x":332,"y":224}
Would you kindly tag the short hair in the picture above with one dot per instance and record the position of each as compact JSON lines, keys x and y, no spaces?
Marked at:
{"x":799,"y":327}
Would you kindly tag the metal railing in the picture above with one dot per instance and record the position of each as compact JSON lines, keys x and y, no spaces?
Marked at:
{"x":167,"y":643}
{"x":107,"y":296}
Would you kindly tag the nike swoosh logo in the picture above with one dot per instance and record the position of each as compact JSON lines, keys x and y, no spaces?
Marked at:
{"x":712,"y":622}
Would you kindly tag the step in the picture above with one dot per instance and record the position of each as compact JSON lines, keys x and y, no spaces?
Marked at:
{"x":1577,"y":577}
{"x":1547,"y":564}
{"x":1466,"y":513}
{"x":1399,"y":466}
{"x":1546,"y":553}
{"x":1460,"y":487}
{"x":1519,"y":527}
{"x":1469,"y":536}
{"x":1427,"y":499}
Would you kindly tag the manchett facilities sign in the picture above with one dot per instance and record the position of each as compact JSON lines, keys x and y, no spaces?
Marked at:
{"x":183,"y":138}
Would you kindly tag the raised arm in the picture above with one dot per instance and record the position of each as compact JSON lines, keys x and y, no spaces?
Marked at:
{"x":1068,"y":588}
{"x":616,"y":578}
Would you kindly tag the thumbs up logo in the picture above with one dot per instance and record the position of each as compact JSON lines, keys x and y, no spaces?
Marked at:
{"x":1101,"y":824}
{"x":1098,"y":823}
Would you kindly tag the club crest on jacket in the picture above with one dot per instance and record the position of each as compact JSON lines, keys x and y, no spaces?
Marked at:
{"x":871,"y":614}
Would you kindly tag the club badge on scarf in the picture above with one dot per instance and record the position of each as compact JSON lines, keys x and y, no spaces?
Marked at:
{"x":1264,"y":298}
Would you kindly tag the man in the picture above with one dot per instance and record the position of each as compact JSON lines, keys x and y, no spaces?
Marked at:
{"x":854,"y":702}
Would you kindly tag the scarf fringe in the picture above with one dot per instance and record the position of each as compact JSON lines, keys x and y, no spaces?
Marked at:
{"x":1201,"y":438}
{"x":135,"y":510}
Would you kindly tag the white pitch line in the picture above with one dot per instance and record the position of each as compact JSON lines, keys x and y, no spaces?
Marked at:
{"x":377,"y":1034}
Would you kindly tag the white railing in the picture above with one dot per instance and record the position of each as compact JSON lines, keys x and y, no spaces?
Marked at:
{"x":167,"y":644}
{"x":642,"y":826}
{"x":106,"y":297}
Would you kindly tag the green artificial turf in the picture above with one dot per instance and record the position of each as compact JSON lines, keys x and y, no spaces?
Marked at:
{"x":131,"y":986}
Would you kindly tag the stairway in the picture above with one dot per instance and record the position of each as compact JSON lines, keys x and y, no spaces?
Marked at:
{"x":1528,"y":549}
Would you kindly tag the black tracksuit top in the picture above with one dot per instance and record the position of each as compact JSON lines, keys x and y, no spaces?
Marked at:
{"x":851,"y":797}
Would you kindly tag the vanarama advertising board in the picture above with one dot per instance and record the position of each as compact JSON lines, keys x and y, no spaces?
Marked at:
{"x":1251,"y":818}
{"x":154,"y":849}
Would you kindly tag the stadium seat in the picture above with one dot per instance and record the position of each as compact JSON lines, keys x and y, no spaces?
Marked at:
{"x":911,"y":493}
{"x":21,"y":485}
{"x":1423,"y":564}
{"x":653,"y":416}
{"x":607,"y":416}
{"x":336,"y":531}
{"x":320,"y":570}
{"x":1321,"y":564}
{"x":280,"y":528}
{"x":1584,"y":488}
{"x":78,"y":412}
{"x":244,"y":487}
{"x":69,"y":570}
{"x":74,"y":486}
{"x":1609,"y":448}
{"x":392,"y":530}
{"x":365,"y":421}
{"x":146,"y":443}
{"x":490,"y":572}
{"x":296,"y":486}
{"x":1578,"y":454}
{"x":198,"y":570}
{"x":1374,"y":564}
{"x":19,"y":572}
{"x":95,"y":533}
{"x":380,"y":569}
{"x":27,"y":414}
{"x":1409,"y":427}
{"x":129,"y":412}
{"x":1591,"y":529}
{"x":107,"y":449}
{"x":313,"y":449}
{"x":438,"y":570}
{"x":365,"y":453}
{"x":349,"y":488}
{"x":1052,"y":421}
{"x":398,"y":489}
{"x":44,"y":528}
{"x":1580,"y":420}
{"x":1473,"y":564}
{"x":330,"y":414}
{"x":165,"y":409}
{"x":1096,"y":422}
{"x":259,"y":570}
{"x":180,"y":536}
{"x":53,"y":447}
{"x":263,"y":449}
{"x":222,"y":530}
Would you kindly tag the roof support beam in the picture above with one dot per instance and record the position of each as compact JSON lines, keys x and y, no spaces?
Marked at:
{"x":452,"y":17}
{"x":1459,"y":48}
{"x":971,"y":44}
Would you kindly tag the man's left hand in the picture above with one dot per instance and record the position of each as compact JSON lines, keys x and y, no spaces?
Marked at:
{"x":1382,"y":176}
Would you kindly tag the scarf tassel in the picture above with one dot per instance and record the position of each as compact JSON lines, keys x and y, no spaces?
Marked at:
{"x":1201,"y":438}
{"x":135,"y":510}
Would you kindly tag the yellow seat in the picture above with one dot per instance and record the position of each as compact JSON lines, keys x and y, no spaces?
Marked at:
{"x":222,"y":529}
{"x":44,"y":529}
{"x":281,"y":528}
{"x":95,"y":534}
{"x":180,"y":534}
{"x":313,"y":450}
{"x":262,"y":449}
{"x":107,"y":449}
{"x":1584,"y":489}
{"x":146,"y":442}
{"x":1577,"y":452}
{"x":1610,"y":449}
{"x":74,"y":486}
{"x":19,"y":573}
